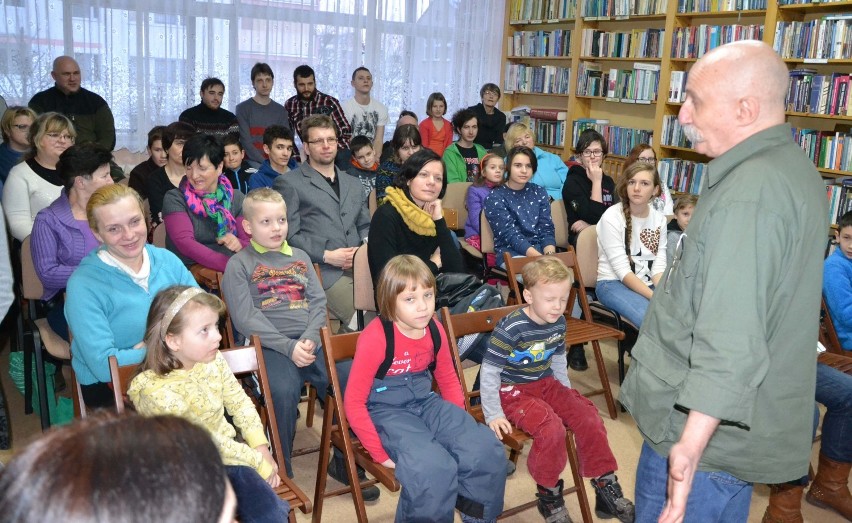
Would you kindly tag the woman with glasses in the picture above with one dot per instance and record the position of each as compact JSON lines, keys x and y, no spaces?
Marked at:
{"x":405,"y":142}
{"x":34,"y":183}
{"x":643,"y":152}
{"x":551,"y":172}
{"x":15,"y":127}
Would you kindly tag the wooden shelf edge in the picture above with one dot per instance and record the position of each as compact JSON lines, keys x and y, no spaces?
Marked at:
{"x":822,"y":116}
{"x":722,"y":14}
{"x":619,"y":59}
{"x":558,"y":58}
{"x":522,"y":93}
{"x":615,"y":100}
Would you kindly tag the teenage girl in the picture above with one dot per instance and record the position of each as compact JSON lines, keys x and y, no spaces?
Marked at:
{"x":492,"y":169}
{"x":184,"y":375}
{"x":436,"y":131}
{"x":663,"y":200}
{"x":443,"y":458}
{"x":631,"y":244}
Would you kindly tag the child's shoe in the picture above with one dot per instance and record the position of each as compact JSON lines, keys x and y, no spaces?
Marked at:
{"x":337,"y":470}
{"x":551,"y":505}
{"x":610,"y":502}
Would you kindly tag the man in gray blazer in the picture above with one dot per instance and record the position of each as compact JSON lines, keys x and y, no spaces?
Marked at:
{"x":327,"y":212}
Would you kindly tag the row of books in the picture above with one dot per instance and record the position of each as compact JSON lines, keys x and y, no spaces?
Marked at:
{"x":695,"y":41}
{"x":677,"y":86}
{"x":547,"y":79}
{"x":827,"y":149}
{"x":672,"y":133}
{"x":622,"y":8}
{"x":715,"y":6}
{"x":542,"y":9}
{"x":638,"y":43}
{"x":547,"y":124}
{"x":839,"y":200}
{"x":637,"y":85}
{"x":809,"y":92}
{"x":540,"y":43}
{"x":682,"y":175}
{"x":829,"y":37}
{"x":619,"y":139}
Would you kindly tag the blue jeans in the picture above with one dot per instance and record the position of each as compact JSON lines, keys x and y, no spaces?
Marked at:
{"x":622,"y":300}
{"x":256,"y":502}
{"x":834,"y":390}
{"x":715,"y":496}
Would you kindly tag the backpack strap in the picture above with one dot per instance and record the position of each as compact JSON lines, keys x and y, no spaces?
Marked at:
{"x":387,"y":325}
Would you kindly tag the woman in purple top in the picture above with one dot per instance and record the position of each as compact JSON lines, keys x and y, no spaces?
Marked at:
{"x":61,"y":236}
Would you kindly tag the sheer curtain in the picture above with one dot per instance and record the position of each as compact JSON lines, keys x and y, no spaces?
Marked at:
{"x":147,"y":59}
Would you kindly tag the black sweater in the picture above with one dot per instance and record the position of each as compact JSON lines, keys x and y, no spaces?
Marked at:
{"x":577,"y":196}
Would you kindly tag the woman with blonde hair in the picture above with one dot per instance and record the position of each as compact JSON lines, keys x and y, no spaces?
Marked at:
{"x":551,"y":171}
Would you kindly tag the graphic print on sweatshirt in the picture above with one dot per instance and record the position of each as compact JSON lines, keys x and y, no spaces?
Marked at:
{"x":282,"y":286}
{"x":643,"y":249}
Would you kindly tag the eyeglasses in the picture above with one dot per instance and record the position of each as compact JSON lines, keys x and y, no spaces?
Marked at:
{"x":57,"y":137}
{"x":593,"y":154}
{"x":21,"y":127}
{"x":323,"y":141}
{"x":646,"y":160}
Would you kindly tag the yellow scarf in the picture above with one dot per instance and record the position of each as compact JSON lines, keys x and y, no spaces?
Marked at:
{"x":419,"y":221}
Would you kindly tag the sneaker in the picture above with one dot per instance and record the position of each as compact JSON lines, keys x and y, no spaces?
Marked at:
{"x":610,"y":501}
{"x":551,"y":505}
{"x":510,"y":467}
{"x":337,"y":470}
{"x":577,"y":357}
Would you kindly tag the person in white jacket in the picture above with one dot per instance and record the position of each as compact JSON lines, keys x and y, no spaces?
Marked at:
{"x":631,"y":245}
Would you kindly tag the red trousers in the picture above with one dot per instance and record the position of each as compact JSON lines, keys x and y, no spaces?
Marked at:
{"x":543,"y":409}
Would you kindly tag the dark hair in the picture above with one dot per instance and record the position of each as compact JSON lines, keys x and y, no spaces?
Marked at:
{"x":276,"y":132}
{"x":461,"y":117}
{"x":81,"y":160}
{"x":358,"y":143}
{"x":402,"y":134}
{"x":176,"y":131}
{"x":156,"y":133}
{"x":210,"y":82}
{"x":320,"y":121}
{"x":122,"y":469}
{"x":586,"y":138}
{"x":526,"y":151}
{"x":435,"y":97}
{"x":412,"y":167}
{"x":844,"y":221}
{"x":261,"y":68}
{"x":406,"y":112}
{"x":303,"y":71}
{"x":200,"y":145}
{"x":232,"y":139}
{"x":489,"y":87}
{"x":362,"y":68}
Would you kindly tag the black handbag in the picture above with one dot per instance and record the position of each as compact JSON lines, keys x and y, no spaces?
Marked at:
{"x":453,"y":287}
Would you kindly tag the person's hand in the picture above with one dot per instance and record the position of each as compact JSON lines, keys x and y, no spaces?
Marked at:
{"x":389,"y":463}
{"x":683,"y":462}
{"x":548,"y":250}
{"x":310,"y":344}
{"x":500,"y":426}
{"x":231,"y":242}
{"x":436,"y":257}
{"x":303,"y":354}
{"x":578,"y":226}
{"x":273,"y":480}
{"x":341,"y":257}
{"x":532,"y":251}
{"x":594,"y":171}
{"x":435,"y":208}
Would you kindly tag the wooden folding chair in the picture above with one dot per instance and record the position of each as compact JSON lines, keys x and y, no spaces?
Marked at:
{"x":335,"y":432}
{"x":577,"y":330}
{"x":486,"y":242}
{"x":459,"y":325}
{"x":365,"y":298}
{"x":827,"y":333}
{"x":455,"y":199}
{"x":560,"y":224}
{"x":587,"y":259}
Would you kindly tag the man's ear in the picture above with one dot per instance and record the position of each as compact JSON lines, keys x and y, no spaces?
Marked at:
{"x":748,"y":109}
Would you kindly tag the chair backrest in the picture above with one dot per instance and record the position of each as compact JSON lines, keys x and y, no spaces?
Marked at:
{"x":587,"y":255}
{"x":339,"y":347}
{"x":459,"y":325}
{"x":160,"y":235}
{"x":514,"y":267}
{"x":372,"y":204}
{"x":455,"y":198}
{"x":121,"y":377}
{"x":30,"y":283}
{"x":227,"y":328}
{"x":486,"y":235}
{"x":827,"y":333}
{"x":364,"y":299}
{"x":613,"y":167}
{"x":560,"y":223}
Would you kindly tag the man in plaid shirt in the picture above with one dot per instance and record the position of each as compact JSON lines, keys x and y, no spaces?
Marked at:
{"x":309,"y":100}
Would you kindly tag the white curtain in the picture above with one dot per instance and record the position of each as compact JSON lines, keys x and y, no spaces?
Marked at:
{"x":147,"y":58}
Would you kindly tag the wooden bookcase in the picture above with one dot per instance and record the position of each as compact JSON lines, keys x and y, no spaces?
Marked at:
{"x":652,"y":115}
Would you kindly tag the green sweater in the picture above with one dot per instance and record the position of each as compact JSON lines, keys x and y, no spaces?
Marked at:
{"x":456,"y":168}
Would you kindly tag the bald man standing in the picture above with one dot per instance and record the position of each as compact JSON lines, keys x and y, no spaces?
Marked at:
{"x":722,"y":380}
{"x":90,"y":113}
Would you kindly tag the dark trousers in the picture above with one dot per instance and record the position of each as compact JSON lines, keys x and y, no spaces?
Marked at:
{"x":256,"y":502}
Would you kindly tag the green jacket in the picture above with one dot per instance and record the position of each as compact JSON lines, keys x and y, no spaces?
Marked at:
{"x":456,"y":168}
{"x":732,"y":328}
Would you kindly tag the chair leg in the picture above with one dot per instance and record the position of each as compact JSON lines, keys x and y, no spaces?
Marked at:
{"x":325,"y":455}
{"x":312,"y":401}
{"x":607,"y":390}
{"x":574,"y":463}
{"x":360,"y":320}
{"x":28,"y":345}
{"x":41,"y":381}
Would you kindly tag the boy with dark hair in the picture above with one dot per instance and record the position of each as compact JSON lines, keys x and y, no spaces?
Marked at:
{"x":367,"y":116}
{"x":364,"y":164}
{"x":492,"y":121}
{"x":236,"y":168}
{"x":260,"y":111}
{"x":157,"y":158}
{"x":208,"y":117}
{"x":278,"y":146}
{"x":406,"y":117}
{"x":525,"y":382}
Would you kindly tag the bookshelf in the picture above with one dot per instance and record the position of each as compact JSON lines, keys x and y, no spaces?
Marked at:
{"x":626,"y":38}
